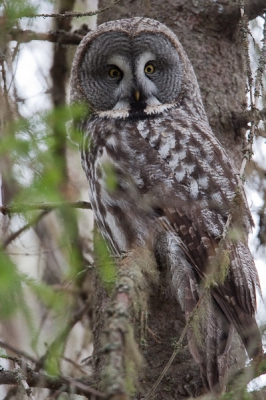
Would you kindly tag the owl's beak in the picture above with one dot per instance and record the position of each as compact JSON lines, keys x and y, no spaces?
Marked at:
{"x":137,"y":95}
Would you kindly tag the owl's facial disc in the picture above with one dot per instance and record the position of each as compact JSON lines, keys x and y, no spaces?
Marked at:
{"x":123,"y":75}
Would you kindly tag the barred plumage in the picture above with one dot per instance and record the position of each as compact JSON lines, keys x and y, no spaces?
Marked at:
{"x":175,"y":185}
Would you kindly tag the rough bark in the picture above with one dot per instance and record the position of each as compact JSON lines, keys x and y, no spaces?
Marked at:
{"x":209,"y":32}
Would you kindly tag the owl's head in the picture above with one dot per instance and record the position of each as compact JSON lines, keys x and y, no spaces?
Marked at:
{"x":131,"y":67}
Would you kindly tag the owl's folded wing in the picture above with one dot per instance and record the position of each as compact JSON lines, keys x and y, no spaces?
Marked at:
{"x":226,"y":268}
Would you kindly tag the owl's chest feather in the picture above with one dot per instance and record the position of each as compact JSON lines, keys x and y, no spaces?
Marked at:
{"x":137,"y":166}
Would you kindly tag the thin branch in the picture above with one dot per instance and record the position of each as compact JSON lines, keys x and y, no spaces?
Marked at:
{"x":57,"y":36}
{"x":76,"y":365}
{"x":20,"y":353}
{"x":71,"y":14}
{"x":24,"y":228}
{"x":20,"y":208}
{"x":46,"y":207}
{"x":82,"y":387}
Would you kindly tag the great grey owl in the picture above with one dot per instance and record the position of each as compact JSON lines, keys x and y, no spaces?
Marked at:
{"x":174,"y":184}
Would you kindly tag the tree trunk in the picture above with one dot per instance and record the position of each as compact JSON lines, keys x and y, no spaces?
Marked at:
{"x":209,"y":33}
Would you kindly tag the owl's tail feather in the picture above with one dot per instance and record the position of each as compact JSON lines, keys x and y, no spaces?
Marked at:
{"x":244,"y":323}
{"x":210,"y":348}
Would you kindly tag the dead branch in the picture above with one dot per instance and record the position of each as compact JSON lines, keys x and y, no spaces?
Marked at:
{"x":71,"y":14}
{"x":56,"y":36}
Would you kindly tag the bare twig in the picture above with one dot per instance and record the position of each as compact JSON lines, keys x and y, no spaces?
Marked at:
{"x":82,"y":387}
{"x":71,"y":14}
{"x":46,"y":207}
{"x":75,"y":364}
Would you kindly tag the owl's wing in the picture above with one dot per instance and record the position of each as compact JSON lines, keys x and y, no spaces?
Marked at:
{"x":209,"y":331}
{"x":192,"y":256}
{"x":234,"y":288}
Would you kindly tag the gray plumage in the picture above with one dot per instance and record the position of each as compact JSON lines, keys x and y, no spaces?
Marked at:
{"x":175,"y":185}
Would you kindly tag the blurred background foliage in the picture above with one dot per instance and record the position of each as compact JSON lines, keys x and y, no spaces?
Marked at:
{"x":45,"y":256}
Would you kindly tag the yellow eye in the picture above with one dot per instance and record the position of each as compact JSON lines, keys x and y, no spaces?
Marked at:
{"x":149,"y":69}
{"x":114,"y":72}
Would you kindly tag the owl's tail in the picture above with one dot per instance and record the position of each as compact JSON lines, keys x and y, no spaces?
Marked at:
{"x":210,"y":338}
{"x":210,"y":332}
{"x":244,"y":323}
